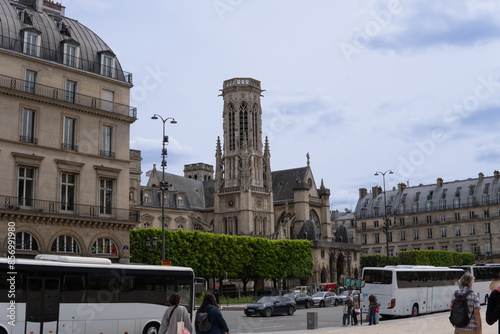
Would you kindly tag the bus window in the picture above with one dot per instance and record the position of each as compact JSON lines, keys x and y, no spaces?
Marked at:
{"x":151,"y":289}
{"x":183,"y":288}
{"x":73,"y":288}
{"x":378,"y":276}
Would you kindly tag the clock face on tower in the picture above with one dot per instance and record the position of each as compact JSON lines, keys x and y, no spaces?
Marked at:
{"x":259,"y":204}
{"x":230,"y":203}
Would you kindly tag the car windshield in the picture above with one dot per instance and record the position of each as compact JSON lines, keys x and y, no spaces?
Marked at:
{"x":345,"y":293}
{"x":319,"y":294}
{"x":266,"y":299}
{"x":289,"y":295}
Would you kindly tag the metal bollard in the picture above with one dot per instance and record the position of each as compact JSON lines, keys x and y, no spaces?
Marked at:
{"x":312,"y":320}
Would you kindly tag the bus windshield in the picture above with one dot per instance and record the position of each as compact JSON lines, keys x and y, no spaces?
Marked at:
{"x":378,"y":276}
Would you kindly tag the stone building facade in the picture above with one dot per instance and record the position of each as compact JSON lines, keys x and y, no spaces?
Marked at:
{"x":64,"y":134}
{"x":244,"y":197}
{"x":461,"y":216}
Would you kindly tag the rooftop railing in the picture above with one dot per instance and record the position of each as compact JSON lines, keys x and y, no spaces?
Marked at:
{"x":23,"y":204}
{"x":85,"y":62}
{"x":62,"y":95}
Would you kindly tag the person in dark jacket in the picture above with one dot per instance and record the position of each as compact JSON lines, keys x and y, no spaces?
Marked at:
{"x":493,"y":308}
{"x":219,"y":325}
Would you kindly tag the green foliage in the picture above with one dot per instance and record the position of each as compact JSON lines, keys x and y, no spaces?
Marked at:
{"x":420,"y":258}
{"x":215,"y":255}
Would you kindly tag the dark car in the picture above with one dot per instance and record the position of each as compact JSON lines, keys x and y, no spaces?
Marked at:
{"x":270,"y":305}
{"x":301,"y":299}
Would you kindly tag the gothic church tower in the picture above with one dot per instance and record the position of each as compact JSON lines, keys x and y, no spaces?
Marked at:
{"x":243,"y":203}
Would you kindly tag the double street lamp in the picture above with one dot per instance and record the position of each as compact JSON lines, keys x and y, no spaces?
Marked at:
{"x":163,"y":184}
{"x":386,"y":221}
{"x":151,"y":249}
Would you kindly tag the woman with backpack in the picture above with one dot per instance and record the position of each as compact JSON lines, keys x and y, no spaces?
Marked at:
{"x":173,"y":315}
{"x":472,"y":317}
{"x":493,"y":308}
{"x":217,"y":323}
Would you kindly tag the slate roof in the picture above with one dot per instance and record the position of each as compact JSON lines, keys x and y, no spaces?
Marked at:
{"x":460,"y":193}
{"x":198,"y":194}
{"x":51,"y":37}
{"x":284,"y":180}
{"x":309,"y":231}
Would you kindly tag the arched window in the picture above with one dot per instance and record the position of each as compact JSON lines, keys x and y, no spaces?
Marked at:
{"x":65,"y":244}
{"x":104,"y":246}
{"x":180,"y":201}
{"x":26,"y":241}
{"x":146,"y":198}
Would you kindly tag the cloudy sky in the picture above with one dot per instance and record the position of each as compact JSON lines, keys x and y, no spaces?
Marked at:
{"x":363,"y":86}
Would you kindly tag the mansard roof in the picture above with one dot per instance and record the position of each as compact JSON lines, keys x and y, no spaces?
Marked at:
{"x":54,"y":29}
{"x":431,"y":197}
{"x":198,"y":194}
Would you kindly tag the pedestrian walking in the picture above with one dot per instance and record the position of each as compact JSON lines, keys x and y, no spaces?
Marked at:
{"x":472,"y":303}
{"x":219,"y":325}
{"x":174,"y":314}
{"x":346,"y":318}
{"x":493,"y":307}
{"x":373,"y":307}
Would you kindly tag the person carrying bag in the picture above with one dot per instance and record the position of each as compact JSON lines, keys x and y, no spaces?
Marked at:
{"x":176,"y":319}
{"x":209,"y":310}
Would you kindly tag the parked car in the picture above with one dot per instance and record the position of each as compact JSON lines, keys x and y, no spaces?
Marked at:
{"x":301,"y":299}
{"x":340,"y":299}
{"x":301,"y":288}
{"x":323,"y":299}
{"x":270,"y":305}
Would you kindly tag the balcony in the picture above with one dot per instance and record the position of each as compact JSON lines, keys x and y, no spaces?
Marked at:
{"x":27,"y":205}
{"x":62,"y":95}
{"x":55,"y":55}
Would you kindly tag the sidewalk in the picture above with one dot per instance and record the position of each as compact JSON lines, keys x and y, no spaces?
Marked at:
{"x":431,"y":324}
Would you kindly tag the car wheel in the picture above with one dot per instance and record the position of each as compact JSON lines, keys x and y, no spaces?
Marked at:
{"x":268,"y":312}
{"x":322,"y":303}
{"x":291,"y":310}
{"x":308,"y":304}
{"x":336,"y":303}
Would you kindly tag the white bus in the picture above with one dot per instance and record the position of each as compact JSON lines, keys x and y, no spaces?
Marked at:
{"x":64,"y":294}
{"x":410,"y":290}
{"x":484,"y":274}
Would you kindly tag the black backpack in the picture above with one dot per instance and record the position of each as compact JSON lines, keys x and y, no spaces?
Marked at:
{"x":459,"y":316}
{"x":204,"y":325}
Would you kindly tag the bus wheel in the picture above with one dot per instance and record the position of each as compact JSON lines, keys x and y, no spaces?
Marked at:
{"x":414,"y":310}
{"x":3,"y":330}
{"x":151,"y":328}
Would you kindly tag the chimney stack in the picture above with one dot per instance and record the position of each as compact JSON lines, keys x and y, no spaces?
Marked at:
{"x":481,"y":176}
{"x":496,"y":174}
{"x":362,"y":192}
{"x":401,"y":187}
{"x":439,"y":182}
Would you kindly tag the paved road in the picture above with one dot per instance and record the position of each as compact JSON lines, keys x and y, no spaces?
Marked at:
{"x":330,"y":323}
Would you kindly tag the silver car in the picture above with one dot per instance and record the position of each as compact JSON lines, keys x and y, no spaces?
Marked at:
{"x":323,"y":299}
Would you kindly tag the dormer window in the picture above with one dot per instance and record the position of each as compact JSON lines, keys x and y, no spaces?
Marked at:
{"x":31,"y":45}
{"x":71,"y":53}
{"x":108,"y":64}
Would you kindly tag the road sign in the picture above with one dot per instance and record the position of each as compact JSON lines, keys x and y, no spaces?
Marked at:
{"x":347,"y":282}
{"x":166,"y":263}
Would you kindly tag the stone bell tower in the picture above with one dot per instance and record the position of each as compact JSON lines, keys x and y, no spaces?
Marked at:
{"x":243,"y":201}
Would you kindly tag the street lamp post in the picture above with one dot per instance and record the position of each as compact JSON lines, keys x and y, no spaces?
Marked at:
{"x":386,"y":221}
{"x":163,"y":183}
{"x":489,"y":225}
{"x":151,"y":249}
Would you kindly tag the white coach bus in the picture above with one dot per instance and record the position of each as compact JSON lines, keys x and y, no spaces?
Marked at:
{"x":410,"y":290}
{"x":483,"y":274}
{"x":64,"y":294}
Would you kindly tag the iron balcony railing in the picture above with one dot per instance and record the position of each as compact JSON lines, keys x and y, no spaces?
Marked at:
{"x":57,"y":55}
{"x":24,"y":204}
{"x":62,"y":95}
